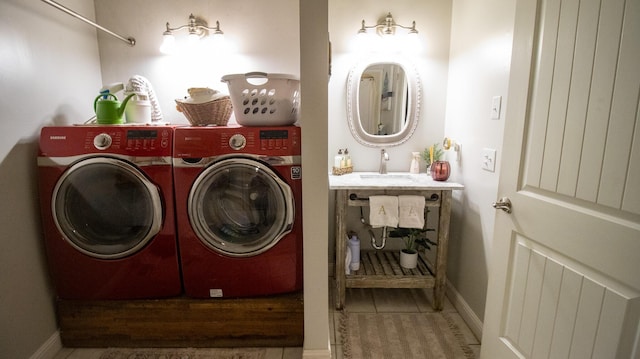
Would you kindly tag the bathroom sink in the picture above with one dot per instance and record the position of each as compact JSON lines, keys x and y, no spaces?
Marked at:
{"x":384,"y":175}
{"x":387,"y":177}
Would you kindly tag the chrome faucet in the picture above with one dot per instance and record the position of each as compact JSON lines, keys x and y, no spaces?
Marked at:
{"x":384,"y":157}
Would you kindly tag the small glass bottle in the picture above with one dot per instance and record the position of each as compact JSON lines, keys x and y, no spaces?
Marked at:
{"x":415,"y":162}
{"x":354,"y":245}
{"x":338,"y":159}
{"x":347,"y":158}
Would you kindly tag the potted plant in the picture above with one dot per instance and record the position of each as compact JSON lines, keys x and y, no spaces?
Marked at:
{"x":438,"y":168}
{"x":413,"y":238}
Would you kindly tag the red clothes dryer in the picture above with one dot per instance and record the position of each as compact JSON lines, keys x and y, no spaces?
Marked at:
{"x":107,"y":210}
{"x":238,"y":197}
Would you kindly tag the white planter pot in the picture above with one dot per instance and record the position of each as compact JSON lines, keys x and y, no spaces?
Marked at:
{"x":408,"y":260}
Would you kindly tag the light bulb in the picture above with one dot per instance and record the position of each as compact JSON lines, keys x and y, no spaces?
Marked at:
{"x":168,"y":46}
{"x":363,"y":42}
{"x":413,"y":43}
{"x":193,"y":38}
{"x":388,"y":43}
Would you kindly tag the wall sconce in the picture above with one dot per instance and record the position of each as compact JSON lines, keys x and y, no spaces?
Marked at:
{"x":386,"y":29}
{"x":197,"y":29}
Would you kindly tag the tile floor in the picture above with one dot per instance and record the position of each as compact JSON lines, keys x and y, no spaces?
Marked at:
{"x":387,"y":301}
{"x":357,"y":300}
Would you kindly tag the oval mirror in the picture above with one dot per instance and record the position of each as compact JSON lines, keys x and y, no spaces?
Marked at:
{"x":383,"y":101}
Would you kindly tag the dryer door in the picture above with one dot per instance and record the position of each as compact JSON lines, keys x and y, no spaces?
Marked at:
{"x":240,"y":207}
{"x":106,"y":208}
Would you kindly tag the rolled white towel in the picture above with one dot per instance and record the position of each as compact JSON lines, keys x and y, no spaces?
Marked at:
{"x":138,"y":83}
{"x":383,"y":211}
{"x":411,"y":211}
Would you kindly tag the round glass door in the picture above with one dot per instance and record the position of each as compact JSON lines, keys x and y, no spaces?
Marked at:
{"x":240,"y":207}
{"x":106,"y":208}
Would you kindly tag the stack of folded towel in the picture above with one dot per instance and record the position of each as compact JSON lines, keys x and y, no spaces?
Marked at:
{"x":396,"y":211}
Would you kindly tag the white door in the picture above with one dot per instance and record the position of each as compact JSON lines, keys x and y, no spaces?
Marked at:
{"x":565,"y":264}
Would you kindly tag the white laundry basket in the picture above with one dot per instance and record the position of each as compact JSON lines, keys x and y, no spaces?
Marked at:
{"x":261,"y":99}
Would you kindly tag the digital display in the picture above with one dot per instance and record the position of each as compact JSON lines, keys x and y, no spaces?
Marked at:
{"x":142,"y":134}
{"x":274,"y":134}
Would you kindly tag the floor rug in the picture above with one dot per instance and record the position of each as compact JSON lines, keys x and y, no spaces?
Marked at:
{"x":402,"y":336}
{"x":184,"y":353}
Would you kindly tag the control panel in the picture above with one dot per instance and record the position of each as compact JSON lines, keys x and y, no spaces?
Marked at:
{"x":131,"y":139}
{"x":274,"y":140}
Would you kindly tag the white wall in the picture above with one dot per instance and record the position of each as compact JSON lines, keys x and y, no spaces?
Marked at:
{"x":262,"y":36}
{"x":479,"y":69}
{"x":434,"y":25}
{"x":49,"y":72}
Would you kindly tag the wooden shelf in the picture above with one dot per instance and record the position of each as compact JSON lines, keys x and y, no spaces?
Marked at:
{"x":381,"y":269}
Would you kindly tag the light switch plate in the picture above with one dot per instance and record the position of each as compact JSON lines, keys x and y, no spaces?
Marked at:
{"x":489,"y":159}
{"x":496,"y":104}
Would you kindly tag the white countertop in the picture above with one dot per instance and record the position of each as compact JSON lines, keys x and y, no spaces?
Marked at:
{"x":391,"y":180}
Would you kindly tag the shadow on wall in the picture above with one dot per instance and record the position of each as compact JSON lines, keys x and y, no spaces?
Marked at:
{"x":67,"y":115}
{"x":23,"y":271}
{"x":472,"y":234}
{"x":20,"y":207}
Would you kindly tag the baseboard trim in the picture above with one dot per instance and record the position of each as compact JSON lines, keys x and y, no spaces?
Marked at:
{"x":50,"y":348}
{"x":473,"y":322}
{"x":316,"y":354}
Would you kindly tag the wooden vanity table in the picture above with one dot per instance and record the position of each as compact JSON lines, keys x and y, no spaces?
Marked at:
{"x":381,"y":268}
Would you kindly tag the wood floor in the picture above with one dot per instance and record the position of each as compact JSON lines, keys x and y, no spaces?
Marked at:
{"x":357,"y":300}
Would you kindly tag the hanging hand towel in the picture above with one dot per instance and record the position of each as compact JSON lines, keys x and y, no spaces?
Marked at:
{"x":411,"y":211}
{"x":383,"y":211}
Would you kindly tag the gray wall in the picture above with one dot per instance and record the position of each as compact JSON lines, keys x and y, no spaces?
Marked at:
{"x":49,"y":73}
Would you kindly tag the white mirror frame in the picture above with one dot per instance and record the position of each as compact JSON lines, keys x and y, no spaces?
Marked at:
{"x":413,"y":108}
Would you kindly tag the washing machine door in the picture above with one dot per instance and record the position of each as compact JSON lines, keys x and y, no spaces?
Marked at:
{"x":106,"y":208}
{"x":240,"y":207}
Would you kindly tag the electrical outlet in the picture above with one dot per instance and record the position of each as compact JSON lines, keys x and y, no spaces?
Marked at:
{"x":489,"y":159}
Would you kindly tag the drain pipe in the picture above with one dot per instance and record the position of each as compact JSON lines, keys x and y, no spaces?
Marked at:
{"x":374,"y":241}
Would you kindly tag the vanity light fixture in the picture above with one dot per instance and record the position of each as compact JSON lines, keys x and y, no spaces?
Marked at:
{"x":386,"y":40}
{"x":387,"y":27}
{"x":197,"y":29}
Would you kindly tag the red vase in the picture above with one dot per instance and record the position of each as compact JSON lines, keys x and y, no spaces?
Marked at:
{"x":440,"y":170}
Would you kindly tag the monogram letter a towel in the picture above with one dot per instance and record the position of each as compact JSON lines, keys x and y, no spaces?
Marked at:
{"x":383,"y":211}
{"x":411,"y":211}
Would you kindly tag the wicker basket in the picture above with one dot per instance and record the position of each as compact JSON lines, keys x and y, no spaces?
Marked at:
{"x":339,"y":171}
{"x":215,"y":112}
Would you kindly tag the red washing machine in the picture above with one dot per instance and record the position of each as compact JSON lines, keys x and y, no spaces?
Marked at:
{"x":107,"y":208}
{"x":238,"y":197}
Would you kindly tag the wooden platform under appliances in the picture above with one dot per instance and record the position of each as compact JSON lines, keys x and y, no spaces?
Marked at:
{"x":274,"y":321}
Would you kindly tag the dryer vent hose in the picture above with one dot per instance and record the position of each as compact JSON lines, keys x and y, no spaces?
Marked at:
{"x":138,"y":83}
